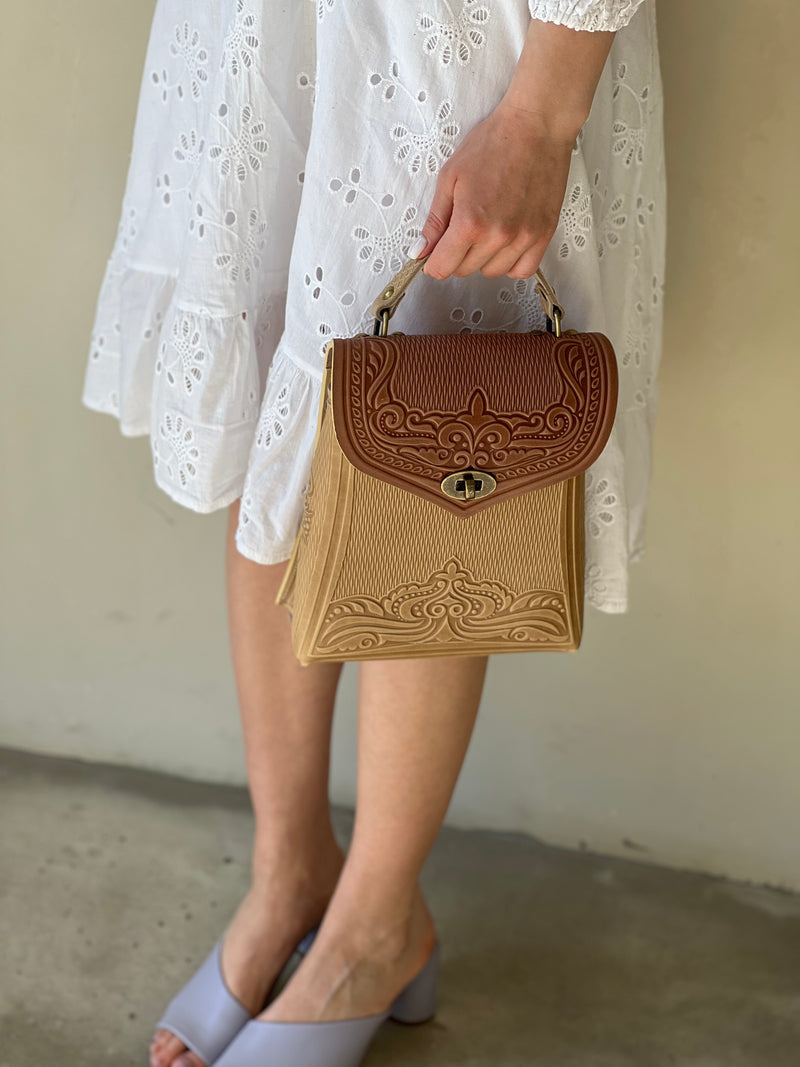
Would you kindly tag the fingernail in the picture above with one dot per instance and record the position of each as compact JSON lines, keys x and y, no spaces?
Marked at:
{"x":417,"y":247}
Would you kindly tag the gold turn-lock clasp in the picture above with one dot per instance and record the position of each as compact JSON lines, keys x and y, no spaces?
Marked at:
{"x":468,"y":485}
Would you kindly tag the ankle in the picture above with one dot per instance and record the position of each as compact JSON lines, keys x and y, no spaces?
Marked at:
{"x":386,"y":927}
{"x":302,"y":870}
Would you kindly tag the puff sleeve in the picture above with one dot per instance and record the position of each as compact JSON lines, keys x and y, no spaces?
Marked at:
{"x":595,"y":15}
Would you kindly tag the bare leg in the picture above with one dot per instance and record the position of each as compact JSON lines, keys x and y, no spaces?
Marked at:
{"x":415,"y":722}
{"x":286,"y":715}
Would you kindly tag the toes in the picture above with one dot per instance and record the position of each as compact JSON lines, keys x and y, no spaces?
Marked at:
{"x":160,"y":1037}
{"x":188,"y":1059}
{"x":166,"y":1050}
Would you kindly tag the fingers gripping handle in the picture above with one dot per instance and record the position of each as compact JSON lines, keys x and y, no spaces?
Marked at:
{"x":385,"y":305}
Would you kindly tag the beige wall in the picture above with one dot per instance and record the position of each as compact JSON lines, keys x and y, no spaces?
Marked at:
{"x":674,"y":735}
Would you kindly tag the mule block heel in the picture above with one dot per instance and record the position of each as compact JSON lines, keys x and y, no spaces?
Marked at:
{"x":417,"y":1003}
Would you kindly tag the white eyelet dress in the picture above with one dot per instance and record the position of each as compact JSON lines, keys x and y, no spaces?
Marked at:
{"x":284,"y":159}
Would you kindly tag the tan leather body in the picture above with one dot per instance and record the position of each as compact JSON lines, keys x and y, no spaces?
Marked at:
{"x":386,"y":565}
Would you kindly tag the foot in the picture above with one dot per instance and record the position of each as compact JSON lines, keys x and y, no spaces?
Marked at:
{"x":276,"y":913}
{"x":359,"y":963}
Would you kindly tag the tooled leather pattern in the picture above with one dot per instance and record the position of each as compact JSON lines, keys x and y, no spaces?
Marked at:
{"x":451,"y":607}
{"x":569,"y":386}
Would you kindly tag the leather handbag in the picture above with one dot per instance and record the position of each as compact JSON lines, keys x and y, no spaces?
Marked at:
{"x":444,"y":512}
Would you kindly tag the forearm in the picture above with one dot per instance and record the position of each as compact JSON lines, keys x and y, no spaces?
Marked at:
{"x":556,"y":76}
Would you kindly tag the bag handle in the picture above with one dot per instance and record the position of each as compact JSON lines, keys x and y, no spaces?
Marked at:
{"x":385,"y":305}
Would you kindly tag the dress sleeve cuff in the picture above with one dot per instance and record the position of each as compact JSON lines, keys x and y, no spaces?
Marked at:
{"x":609,"y":15}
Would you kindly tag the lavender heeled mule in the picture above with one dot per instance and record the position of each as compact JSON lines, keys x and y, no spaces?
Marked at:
{"x":204,"y":1014}
{"x":342,"y":1043}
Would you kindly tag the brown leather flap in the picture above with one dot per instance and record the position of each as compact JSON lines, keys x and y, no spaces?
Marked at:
{"x":528,"y":408}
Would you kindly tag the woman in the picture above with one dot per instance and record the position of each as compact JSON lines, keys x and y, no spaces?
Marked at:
{"x":285,"y":163}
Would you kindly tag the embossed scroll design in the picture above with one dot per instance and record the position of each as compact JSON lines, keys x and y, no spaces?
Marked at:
{"x":433,"y":443}
{"x":451,"y":605}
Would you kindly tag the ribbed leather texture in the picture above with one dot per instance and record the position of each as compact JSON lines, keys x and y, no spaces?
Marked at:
{"x":378,"y":506}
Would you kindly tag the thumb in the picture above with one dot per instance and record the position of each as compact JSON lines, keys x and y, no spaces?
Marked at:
{"x":438,"y":218}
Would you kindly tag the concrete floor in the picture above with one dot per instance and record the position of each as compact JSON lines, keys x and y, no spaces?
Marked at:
{"x":115,"y":884}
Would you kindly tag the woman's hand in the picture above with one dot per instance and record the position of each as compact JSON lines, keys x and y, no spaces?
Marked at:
{"x":498,"y":198}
